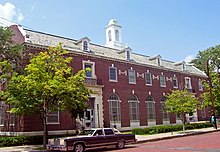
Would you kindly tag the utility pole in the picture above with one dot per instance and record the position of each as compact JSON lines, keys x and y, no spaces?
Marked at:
{"x":210,"y":91}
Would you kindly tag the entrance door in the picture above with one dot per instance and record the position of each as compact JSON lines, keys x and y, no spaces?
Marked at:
{"x":89,"y":118}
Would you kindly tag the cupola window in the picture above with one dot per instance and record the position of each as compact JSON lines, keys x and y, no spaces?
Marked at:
{"x":109,"y":36}
{"x":117,"y":35}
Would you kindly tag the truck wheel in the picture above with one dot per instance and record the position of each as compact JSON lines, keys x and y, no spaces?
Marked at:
{"x":79,"y":148}
{"x":120,"y":144}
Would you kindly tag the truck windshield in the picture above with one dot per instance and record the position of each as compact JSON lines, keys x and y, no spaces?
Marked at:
{"x":87,"y":132}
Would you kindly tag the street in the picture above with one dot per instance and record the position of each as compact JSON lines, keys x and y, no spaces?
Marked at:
{"x":208,"y":142}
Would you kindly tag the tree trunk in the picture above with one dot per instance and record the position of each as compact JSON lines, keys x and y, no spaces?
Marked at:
{"x":45,"y":131}
{"x":44,"y":126}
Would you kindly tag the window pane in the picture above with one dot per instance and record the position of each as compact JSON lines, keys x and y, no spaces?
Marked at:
{"x":148,"y":78}
{"x":131,"y":76}
{"x":151,"y":111}
{"x":88,"y":73}
{"x":112,"y":73}
{"x":53,"y":117}
{"x":162,"y":80}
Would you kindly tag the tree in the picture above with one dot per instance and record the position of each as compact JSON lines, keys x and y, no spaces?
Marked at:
{"x":9,"y":51}
{"x":181,"y":103}
{"x":48,"y":84}
{"x":212,"y":69}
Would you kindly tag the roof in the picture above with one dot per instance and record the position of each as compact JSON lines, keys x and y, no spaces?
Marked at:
{"x":44,"y":39}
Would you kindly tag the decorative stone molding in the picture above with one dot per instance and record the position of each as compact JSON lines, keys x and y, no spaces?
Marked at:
{"x":169,"y":79}
{"x":122,"y":73}
{"x":155,"y":77}
{"x":140,"y":75}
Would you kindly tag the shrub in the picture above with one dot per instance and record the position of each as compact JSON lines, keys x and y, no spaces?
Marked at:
{"x":164,"y":129}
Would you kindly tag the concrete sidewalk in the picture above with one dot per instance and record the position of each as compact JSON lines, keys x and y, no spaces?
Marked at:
{"x":162,"y":136}
{"x":140,"y":139}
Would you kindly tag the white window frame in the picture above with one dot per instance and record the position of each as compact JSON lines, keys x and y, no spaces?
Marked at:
{"x":85,"y":45}
{"x":175,"y":79}
{"x":116,"y":74}
{"x":128,"y":54}
{"x":150,"y":76}
{"x":162,"y":83}
{"x":109,"y":35}
{"x":53,"y":114}
{"x":149,"y":108}
{"x":92,"y":68}
{"x":188,"y":85}
{"x":133,"y":76}
{"x":134,"y":100}
{"x":118,"y":108}
{"x":117,"y":35}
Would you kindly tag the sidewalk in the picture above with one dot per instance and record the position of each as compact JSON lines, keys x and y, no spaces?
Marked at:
{"x":140,"y":139}
{"x":162,"y":136}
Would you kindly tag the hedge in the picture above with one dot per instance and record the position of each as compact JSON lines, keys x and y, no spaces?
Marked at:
{"x":164,"y":129}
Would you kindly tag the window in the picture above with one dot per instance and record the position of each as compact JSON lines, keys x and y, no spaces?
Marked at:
{"x":200,"y":85}
{"x":53,"y":118}
{"x":151,"y":115}
{"x":109,"y":36}
{"x":108,"y":132}
{"x":131,"y":76}
{"x":163,"y":110}
{"x":162,"y":81}
{"x":175,"y":82}
{"x":114,"y":108}
{"x":90,"y":69}
{"x":85,"y":46}
{"x":134,"y":108}
{"x":128,"y":55}
{"x":112,"y":73}
{"x":188,"y":83}
{"x":148,"y":78}
{"x":116,"y":35}
{"x":2,"y":113}
{"x":158,"y":61}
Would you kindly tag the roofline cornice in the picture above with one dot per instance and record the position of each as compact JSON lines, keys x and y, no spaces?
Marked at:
{"x":115,"y":60}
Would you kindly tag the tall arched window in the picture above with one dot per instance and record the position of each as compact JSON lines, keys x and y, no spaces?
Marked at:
{"x":163,"y":109}
{"x":109,"y":36}
{"x":85,"y":46}
{"x":151,"y":114}
{"x":134,"y":108}
{"x":114,"y":108}
{"x":117,"y":35}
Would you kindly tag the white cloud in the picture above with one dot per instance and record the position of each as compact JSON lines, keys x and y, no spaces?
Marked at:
{"x":189,"y":58}
{"x":9,"y":14}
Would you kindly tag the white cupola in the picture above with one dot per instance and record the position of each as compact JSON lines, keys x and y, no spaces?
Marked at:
{"x":114,"y":35}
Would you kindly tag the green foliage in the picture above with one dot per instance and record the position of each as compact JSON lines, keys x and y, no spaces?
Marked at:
{"x":164,"y":129}
{"x":20,"y":140}
{"x":47,"y":85}
{"x":181,"y":102}
{"x":212,"y":56}
{"x":10,"y":52}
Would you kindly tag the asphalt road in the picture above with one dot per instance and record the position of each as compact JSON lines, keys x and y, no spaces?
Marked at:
{"x":209,"y":142}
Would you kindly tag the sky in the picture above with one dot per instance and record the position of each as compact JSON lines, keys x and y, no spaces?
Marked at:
{"x":174,"y":29}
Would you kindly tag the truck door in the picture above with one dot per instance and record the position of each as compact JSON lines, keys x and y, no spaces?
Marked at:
{"x":110,"y":138}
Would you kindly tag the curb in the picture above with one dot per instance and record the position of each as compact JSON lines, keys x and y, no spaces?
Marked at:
{"x":176,"y":136}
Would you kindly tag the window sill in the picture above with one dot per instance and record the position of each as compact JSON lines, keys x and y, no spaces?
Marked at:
{"x":113,"y":80}
{"x":53,"y":123}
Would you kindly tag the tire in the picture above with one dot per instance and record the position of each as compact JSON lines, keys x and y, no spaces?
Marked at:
{"x":78,"y":147}
{"x":120,"y":144}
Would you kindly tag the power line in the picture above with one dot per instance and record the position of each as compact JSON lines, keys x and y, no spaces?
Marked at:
{"x":14,"y":23}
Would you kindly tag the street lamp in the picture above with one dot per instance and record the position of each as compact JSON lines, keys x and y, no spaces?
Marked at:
{"x":210,"y":91}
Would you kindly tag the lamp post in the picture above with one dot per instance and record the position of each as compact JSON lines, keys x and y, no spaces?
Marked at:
{"x":210,"y":91}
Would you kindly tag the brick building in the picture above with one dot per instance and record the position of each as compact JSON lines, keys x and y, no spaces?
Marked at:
{"x":129,"y":88}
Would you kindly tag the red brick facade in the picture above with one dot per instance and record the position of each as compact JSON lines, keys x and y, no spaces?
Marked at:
{"x":122,"y":88}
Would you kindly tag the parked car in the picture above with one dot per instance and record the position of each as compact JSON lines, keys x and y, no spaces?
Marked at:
{"x":92,"y":139}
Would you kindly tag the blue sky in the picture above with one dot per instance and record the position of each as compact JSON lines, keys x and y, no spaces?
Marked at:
{"x":174,"y":29}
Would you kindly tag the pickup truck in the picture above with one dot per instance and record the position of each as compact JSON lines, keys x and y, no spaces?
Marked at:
{"x":91,"y":139}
